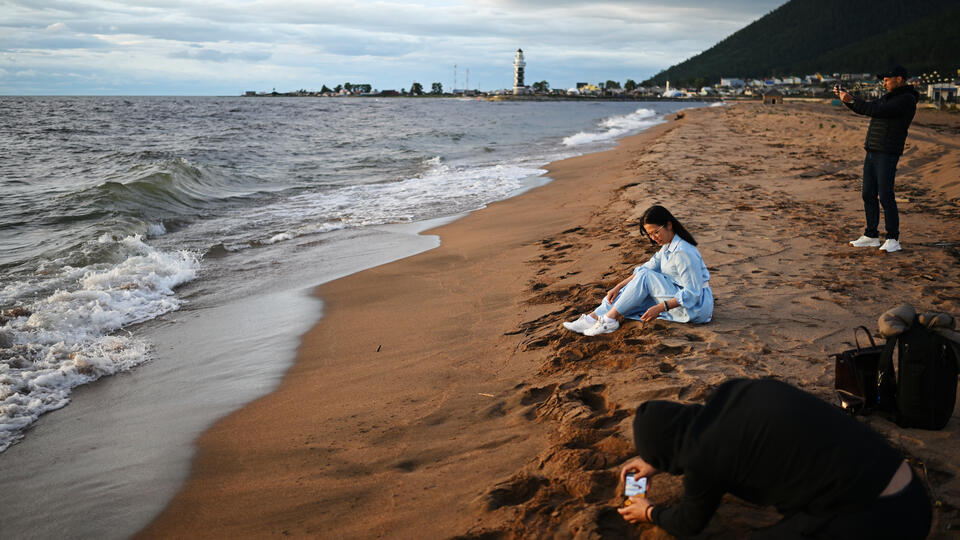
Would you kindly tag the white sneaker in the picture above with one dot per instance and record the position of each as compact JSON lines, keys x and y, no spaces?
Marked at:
{"x":602,"y":327}
{"x":581,"y":324}
{"x":865,"y":241}
{"x":890,"y":245}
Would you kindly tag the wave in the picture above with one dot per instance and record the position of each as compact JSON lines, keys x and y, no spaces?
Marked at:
{"x":69,"y":337}
{"x":615,"y":126}
{"x":168,"y":188}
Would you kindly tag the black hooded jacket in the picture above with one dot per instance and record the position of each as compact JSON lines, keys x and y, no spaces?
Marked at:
{"x":767,"y":443}
{"x":890,"y":118}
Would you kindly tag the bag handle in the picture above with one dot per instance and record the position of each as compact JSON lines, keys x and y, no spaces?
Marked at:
{"x":865,"y":331}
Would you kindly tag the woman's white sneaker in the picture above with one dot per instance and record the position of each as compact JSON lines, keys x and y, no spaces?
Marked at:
{"x":866,"y":241}
{"x":602,"y":326}
{"x":890,"y":245}
{"x":581,"y":324}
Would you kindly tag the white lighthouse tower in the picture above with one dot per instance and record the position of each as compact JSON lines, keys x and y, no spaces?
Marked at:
{"x":518,"y":65}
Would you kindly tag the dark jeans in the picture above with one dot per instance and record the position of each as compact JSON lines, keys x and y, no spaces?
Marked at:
{"x":906,"y":515}
{"x":879,"y":170}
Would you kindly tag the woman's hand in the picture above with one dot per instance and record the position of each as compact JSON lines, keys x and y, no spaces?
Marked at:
{"x":637,"y":511}
{"x":612,"y":293}
{"x":652,"y":313}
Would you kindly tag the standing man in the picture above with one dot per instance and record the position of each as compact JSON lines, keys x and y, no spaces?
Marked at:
{"x":890,"y":117}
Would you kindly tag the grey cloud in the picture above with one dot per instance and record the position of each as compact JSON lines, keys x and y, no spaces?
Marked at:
{"x":381,"y":48}
{"x":213,"y":55}
{"x":728,"y":6}
{"x":48,"y":41}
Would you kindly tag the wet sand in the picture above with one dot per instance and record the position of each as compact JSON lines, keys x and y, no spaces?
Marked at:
{"x":439,"y":396}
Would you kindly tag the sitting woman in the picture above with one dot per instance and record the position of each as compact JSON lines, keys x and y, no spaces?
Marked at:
{"x":674,"y":285}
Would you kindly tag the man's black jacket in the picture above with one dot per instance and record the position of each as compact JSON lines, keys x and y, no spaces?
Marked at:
{"x":890,"y":117}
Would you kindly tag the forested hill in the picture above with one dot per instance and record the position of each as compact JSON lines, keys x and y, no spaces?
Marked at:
{"x":830,"y":36}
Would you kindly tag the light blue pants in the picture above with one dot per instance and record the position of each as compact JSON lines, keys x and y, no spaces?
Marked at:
{"x":645,"y":289}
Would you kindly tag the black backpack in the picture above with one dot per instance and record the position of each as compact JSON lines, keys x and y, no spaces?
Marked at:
{"x":923,"y":390}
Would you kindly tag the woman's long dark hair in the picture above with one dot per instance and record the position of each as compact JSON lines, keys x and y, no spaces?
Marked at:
{"x":658,"y":215}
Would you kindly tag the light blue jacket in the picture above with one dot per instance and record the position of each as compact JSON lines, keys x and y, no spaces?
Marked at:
{"x":681,"y":263}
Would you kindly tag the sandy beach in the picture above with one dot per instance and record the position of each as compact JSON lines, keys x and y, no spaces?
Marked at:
{"x":440,"y":397}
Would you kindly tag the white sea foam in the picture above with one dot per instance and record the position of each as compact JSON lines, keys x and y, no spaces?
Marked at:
{"x":440,"y":190}
{"x":69,"y":339}
{"x":717,"y":104}
{"x":616,"y":126}
{"x":280,"y":237}
{"x":156,"y":229}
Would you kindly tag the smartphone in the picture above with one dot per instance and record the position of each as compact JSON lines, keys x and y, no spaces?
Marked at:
{"x":635,"y":486}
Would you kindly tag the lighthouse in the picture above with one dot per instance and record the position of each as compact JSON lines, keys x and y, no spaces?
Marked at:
{"x":518,"y":65}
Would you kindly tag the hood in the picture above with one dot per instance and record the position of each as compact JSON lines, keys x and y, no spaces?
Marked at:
{"x":659,"y":432}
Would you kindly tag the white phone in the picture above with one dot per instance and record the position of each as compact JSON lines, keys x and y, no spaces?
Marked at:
{"x":635,"y":486}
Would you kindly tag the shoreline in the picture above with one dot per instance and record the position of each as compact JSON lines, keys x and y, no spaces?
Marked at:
{"x":449,"y":364}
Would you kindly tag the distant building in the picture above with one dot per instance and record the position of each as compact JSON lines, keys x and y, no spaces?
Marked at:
{"x":772,"y":97}
{"x":941,"y":92}
{"x":731,"y":82}
{"x":518,"y":66}
{"x":589,"y":88}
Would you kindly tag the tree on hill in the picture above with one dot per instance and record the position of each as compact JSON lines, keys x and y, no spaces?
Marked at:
{"x":338,"y":88}
{"x":325,"y":90}
{"x":807,"y":36}
{"x":541,"y":87}
{"x":416,"y":89}
{"x":630,"y":85}
{"x":437,"y":88}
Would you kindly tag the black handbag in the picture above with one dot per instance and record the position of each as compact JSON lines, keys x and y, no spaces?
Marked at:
{"x":856,"y":376}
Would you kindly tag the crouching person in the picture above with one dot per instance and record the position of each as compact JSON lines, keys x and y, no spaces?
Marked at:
{"x":772,"y":444}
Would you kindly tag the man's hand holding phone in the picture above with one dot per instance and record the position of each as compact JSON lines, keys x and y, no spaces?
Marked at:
{"x":842,"y":93}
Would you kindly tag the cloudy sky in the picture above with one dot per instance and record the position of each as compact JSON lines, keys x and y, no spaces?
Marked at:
{"x":224,"y":47}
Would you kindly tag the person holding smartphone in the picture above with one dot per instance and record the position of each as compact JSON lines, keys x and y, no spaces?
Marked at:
{"x":890,"y":118}
{"x":770,"y":443}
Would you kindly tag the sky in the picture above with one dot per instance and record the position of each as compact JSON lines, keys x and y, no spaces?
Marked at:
{"x":226,"y":47}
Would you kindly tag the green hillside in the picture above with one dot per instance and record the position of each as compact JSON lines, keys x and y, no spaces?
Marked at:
{"x":826,"y":36}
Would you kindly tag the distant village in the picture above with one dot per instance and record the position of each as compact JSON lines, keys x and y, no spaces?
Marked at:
{"x":940,"y":89}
